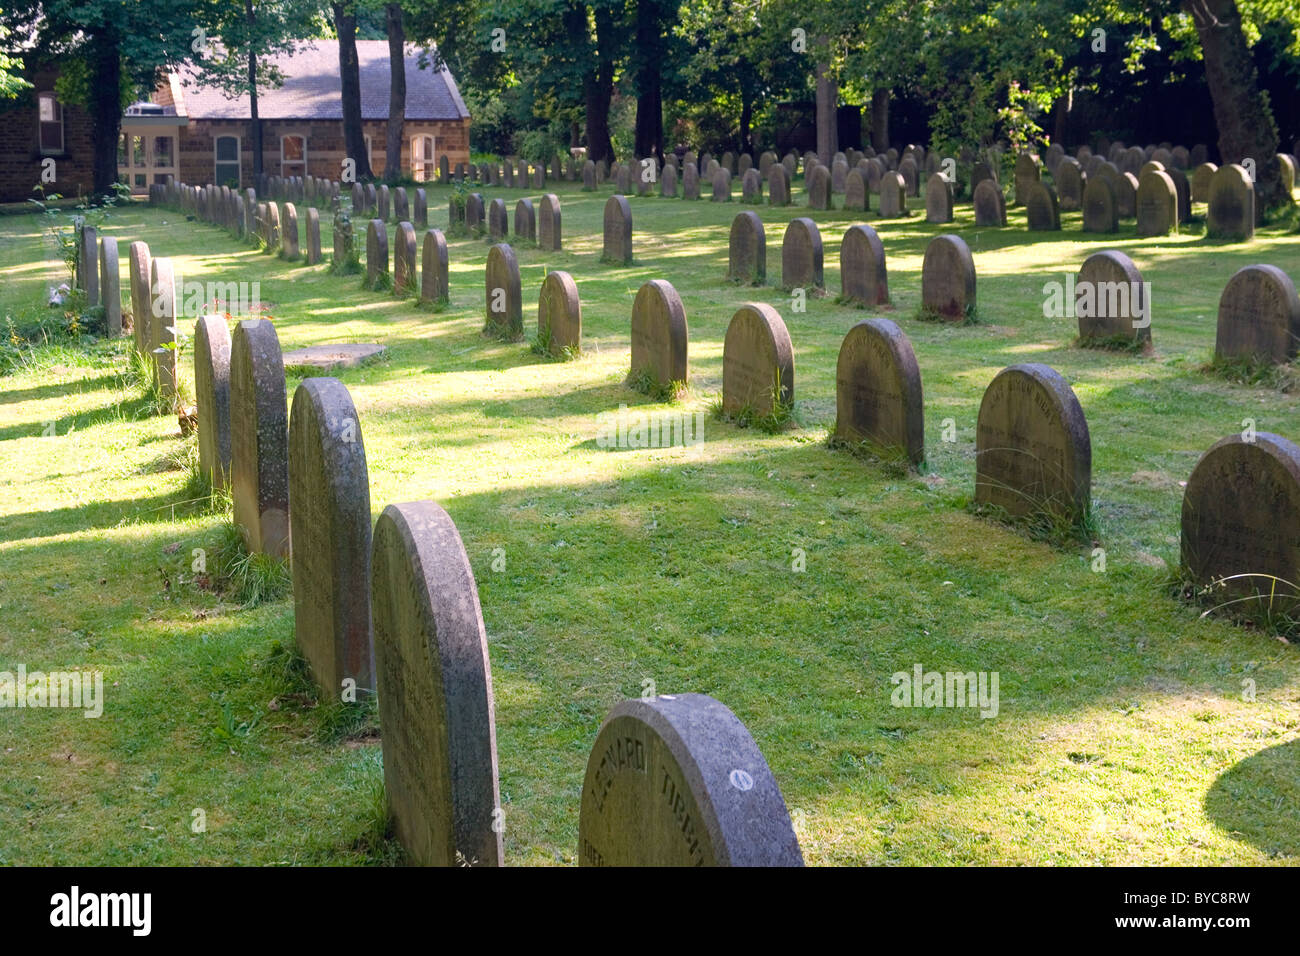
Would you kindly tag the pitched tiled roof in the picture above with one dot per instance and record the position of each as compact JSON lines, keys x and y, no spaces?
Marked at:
{"x":312,"y":89}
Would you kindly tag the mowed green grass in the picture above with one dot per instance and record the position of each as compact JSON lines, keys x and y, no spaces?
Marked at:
{"x":1122,"y":735}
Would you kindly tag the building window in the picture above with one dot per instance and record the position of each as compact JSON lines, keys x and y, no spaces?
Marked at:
{"x":226,"y":169}
{"x":293,"y":156}
{"x":162,"y":152}
{"x":51,"y":120}
{"x":422,"y":158}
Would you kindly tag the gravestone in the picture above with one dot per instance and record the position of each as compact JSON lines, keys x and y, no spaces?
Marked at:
{"x":839,"y":172}
{"x":747,"y":250}
{"x":863,"y":278}
{"x":110,"y":281}
{"x":911,"y":177}
{"x":313,"y":236}
{"x":623,"y":180}
{"x":559,"y":314}
{"x":404,"y":253}
{"x":893,"y":200}
{"x":505,"y":315}
{"x":549,"y":232}
{"x":1100,"y":209}
{"x":421,"y":209}
{"x":1042,"y":212}
{"x":751,"y":185}
{"x":444,"y":169}
{"x":1231,"y":212}
{"x":659,"y":334}
{"x":1157,"y":204}
{"x":273,"y":235}
{"x":384,"y":202}
{"x":855,"y":191}
{"x":588,"y":176}
{"x":1240,"y":516}
{"x":875,"y":171}
{"x":1183,"y":190}
{"x":474,"y":214}
{"x":948,"y":278}
{"x":1069,"y":178}
{"x":329,"y":517}
{"x":1259,"y":316}
{"x":290,"y":248}
{"x":88,"y":264}
{"x":819,"y":188}
{"x":668,"y":182}
{"x":766,"y":161}
{"x":434,"y":681}
{"x":1126,"y":195}
{"x":376,"y":251}
{"x":259,"y":427}
{"x":1110,"y":300}
{"x":434,"y":287}
{"x":212,"y":397}
{"x":938,"y":199}
{"x":778,"y":185}
{"x":141,"y":301}
{"x":721,"y":185}
{"x":618,"y":231}
{"x":980,"y":172}
{"x":690,"y":182}
{"x":165,"y":300}
{"x":1032,"y":450}
{"x":525,"y":221}
{"x":401,"y":206}
{"x":498,"y":223}
{"x":801,"y":256}
{"x":757,"y":362}
{"x":990,"y":205}
{"x":878,"y":391}
{"x":358,"y":199}
{"x":1028,"y":170}
{"x":678,"y":781}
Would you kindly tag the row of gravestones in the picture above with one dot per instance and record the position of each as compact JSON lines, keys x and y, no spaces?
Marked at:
{"x":303,"y":190}
{"x":431,"y":276}
{"x":379,"y":202}
{"x":540,"y":223}
{"x":671,"y":780}
{"x":276,"y":225}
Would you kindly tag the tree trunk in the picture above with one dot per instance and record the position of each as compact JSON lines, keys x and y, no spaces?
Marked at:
{"x":880,"y":120}
{"x":396,"y":90}
{"x":828,"y":133}
{"x":254,"y":121}
{"x":600,"y":90}
{"x":649,"y":101}
{"x":105,"y":108}
{"x":1244,"y":120}
{"x":746,"y":118}
{"x":345,"y":22}
{"x":1061,"y":126}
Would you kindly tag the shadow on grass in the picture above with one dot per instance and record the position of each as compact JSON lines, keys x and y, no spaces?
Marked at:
{"x":1258,"y":800}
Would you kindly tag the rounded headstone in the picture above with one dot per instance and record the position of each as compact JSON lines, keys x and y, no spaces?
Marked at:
{"x":938,"y":199}
{"x":1231,"y":212}
{"x":801,"y":256}
{"x":1100,"y":209}
{"x":110,"y":283}
{"x":329,"y":519}
{"x":990,"y":205}
{"x":1259,"y":316}
{"x":778,"y":185}
{"x":618,"y":231}
{"x":659,"y":334}
{"x":1126,"y":186}
{"x":747,"y":250}
{"x":141,"y":301}
{"x":212,"y":397}
{"x":668,"y":182}
{"x":549,"y":232}
{"x":525,"y":221}
{"x":498,"y":223}
{"x":559,"y":313}
{"x":505,"y":315}
{"x":690,"y":181}
{"x":1042,"y":211}
{"x":721,"y":182}
{"x":434,"y":682}
{"x":863,"y":278}
{"x":878,"y":391}
{"x":819,"y":188}
{"x":434,"y":285}
{"x":855,"y":191}
{"x":1157,"y":204}
{"x":376,"y":250}
{"x":1070,"y":178}
{"x":751,"y":186}
{"x":259,"y":432}
{"x":1110,"y":299}
{"x":757,"y":362}
{"x":404,"y":253}
{"x":893,"y":199}
{"x":948,"y":278}
{"x":1033,"y":454}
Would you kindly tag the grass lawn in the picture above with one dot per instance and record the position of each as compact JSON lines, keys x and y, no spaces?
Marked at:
{"x":1122,"y":735}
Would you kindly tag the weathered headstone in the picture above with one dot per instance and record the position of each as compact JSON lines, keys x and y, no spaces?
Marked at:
{"x":948,"y":278}
{"x":474,"y":214}
{"x":384,"y":202}
{"x":1157,"y":204}
{"x":434,"y":682}
{"x":329,"y":517}
{"x":1028,"y":170}
{"x":855,"y":191}
{"x":376,"y":251}
{"x":618,"y":231}
{"x":878,"y":391}
{"x":757,"y":362}
{"x":401,"y":205}
{"x":498,"y":223}
{"x":938,"y":199}
{"x":778,"y":185}
{"x":1069,"y":178}
{"x":1033,"y":455}
{"x":421,"y":220}
{"x":747,"y":250}
{"x":678,"y":781}
{"x":751,"y":186}
{"x":911,"y":177}
{"x":88,"y":263}
{"x":1232,"y":204}
{"x":801,"y":256}
{"x":404,"y":252}
{"x":659,"y":334}
{"x":259,"y":427}
{"x":721,"y":183}
{"x":313,"y":236}
{"x":588,"y":176}
{"x":525,"y":221}
{"x":893,"y":199}
{"x":690,"y":182}
{"x":273,"y":236}
{"x":1042,"y":211}
{"x":668,"y":182}
{"x":1110,"y":300}
{"x":1100,"y":209}
{"x":819,"y":188}
{"x":990,"y":205}
{"x":559,"y":314}
{"x":505,"y":315}
{"x":1126,"y":186}
{"x":549,"y":233}
{"x":141,"y":300}
{"x":1259,"y":316}
{"x":289,"y":245}
{"x":1240,"y":521}
{"x":165,"y":291}
{"x":863,"y":278}
{"x":110,"y":282}
{"x":434,"y":286}
{"x":212,"y":397}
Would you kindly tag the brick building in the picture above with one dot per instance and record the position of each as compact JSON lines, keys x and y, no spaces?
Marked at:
{"x":194,"y":132}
